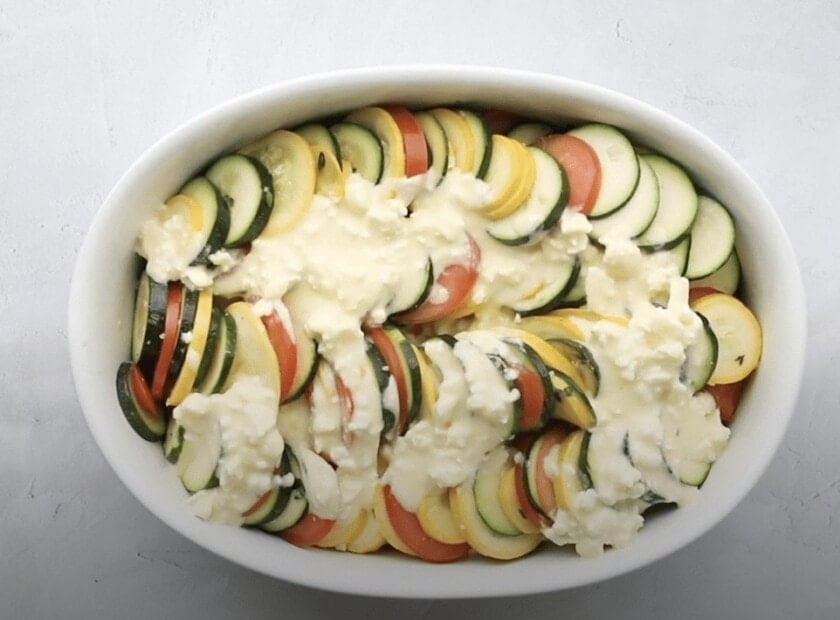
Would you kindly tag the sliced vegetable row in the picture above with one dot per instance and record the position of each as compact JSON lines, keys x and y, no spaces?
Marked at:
{"x":534,"y":173}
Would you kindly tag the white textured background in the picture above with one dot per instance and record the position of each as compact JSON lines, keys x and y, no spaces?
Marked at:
{"x":86,"y":86}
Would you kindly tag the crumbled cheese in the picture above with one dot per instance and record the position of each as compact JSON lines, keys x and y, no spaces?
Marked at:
{"x":383,"y":236}
{"x":245,"y":418}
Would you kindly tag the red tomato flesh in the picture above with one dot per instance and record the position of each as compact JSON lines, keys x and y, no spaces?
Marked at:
{"x":388,"y":349}
{"x":727,"y":396}
{"x":545,"y":487}
{"x":525,"y":505}
{"x":458,"y":280}
{"x":414,"y":140}
{"x":499,"y":121}
{"x":701,"y":291}
{"x":309,"y":531}
{"x":170,"y":339}
{"x":285,"y":350}
{"x":532,"y":396}
{"x":407,"y":526}
{"x":141,"y":392}
{"x":581,"y":165}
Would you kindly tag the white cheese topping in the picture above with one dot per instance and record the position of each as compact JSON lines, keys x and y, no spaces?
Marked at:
{"x":347,"y":263}
{"x":651,"y":430}
{"x":245,"y":417}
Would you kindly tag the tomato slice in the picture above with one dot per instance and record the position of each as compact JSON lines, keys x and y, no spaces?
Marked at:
{"x":544,"y":483}
{"x":581,"y":165}
{"x":531,"y":513}
{"x":499,"y":121}
{"x":170,"y":339}
{"x":457,"y":280}
{"x":532,"y":396}
{"x":142,"y":393}
{"x":388,"y":349}
{"x":285,"y":349}
{"x":727,"y":396}
{"x":309,"y":531}
{"x":414,"y":140}
{"x":700,"y":291}
{"x":407,"y":527}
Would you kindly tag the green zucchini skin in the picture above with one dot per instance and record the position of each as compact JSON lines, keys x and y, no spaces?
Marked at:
{"x":149,"y":424}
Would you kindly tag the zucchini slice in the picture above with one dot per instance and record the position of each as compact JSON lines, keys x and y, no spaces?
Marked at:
{"x":726,"y":279}
{"x":528,"y":133}
{"x":539,"y":487}
{"x":712,"y":239}
{"x":306,"y":348}
{"x":361,"y":149}
{"x":543,"y":208}
{"x":677,"y":205}
{"x":436,"y":519}
{"x":619,"y":166}
{"x":215,"y":221}
{"x":460,"y":138}
{"x":738,"y":335}
{"x":525,"y":176}
{"x":385,"y":128}
{"x":273,"y":502}
{"x":482,"y":144}
{"x":525,"y":358}
{"x":189,"y":308}
{"x":700,"y":358}
{"x":411,"y":371}
{"x":210,"y":346}
{"x":199,"y":334}
{"x":572,"y":405}
{"x":436,"y":142}
{"x":149,"y":318}
{"x":568,"y":482}
{"x":318,"y":135}
{"x":221,"y":356}
{"x":582,"y":360}
{"x":486,"y":491}
{"x":173,"y":441}
{"x":633,"y":217}
{"x":384,"y":382}
{"x":504,"y":176}
{"x":678,"y":253}
{"x":411,"y":294}
{"x":552,"y":295}
{"x":480,"y":537}
{"x":289,"y":160}
{"x":199,"y":457}
{"x":296,"y":503}
{"x":144,"y":415}
{"x":248,"y":189}
{"x":253,"y":353}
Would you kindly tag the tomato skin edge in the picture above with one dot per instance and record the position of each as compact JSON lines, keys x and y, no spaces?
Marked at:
{"x":532,"y":394}
{"x":170,"y":336}
{"x":462,"y":276}
{"x":414,"y":140}
{"x":580,"y":163}
{"x":309,"y":531}
{"x":727,"y":398}
{"x":697,"y":292}
{"x":407,"y":526}
{"x":285,"y":350}
{"x":142,"y":393}
{"x":525,"y":505}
